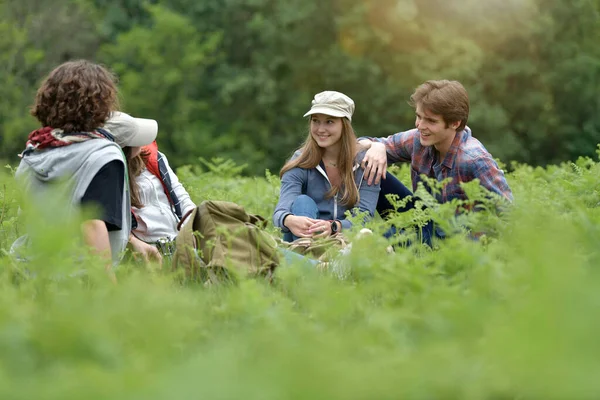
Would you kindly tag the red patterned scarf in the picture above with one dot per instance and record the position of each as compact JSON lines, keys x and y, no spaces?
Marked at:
{"x":48,"y":137}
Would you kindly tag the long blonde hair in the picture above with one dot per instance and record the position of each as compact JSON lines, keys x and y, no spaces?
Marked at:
{"x":135,"y":166}
{"x":311,"y":157}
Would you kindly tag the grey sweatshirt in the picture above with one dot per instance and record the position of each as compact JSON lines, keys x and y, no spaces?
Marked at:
{"x":314,"y":183}
{"x":76,"y":165}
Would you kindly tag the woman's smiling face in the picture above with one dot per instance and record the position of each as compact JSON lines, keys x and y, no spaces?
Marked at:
{"x":326,"y":130}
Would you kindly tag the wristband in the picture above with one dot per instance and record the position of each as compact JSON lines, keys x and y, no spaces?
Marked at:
{"x":283,"y":221}
{"x":334,"y":226}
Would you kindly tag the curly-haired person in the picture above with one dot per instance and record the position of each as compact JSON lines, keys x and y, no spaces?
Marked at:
{"x":72,"y":104}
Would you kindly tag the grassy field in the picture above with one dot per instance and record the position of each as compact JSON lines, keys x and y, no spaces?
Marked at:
{"x":513,"y":316}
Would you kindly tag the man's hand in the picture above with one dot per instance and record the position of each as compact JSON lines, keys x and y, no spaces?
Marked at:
{"x":375,"y":163}
{"x":300,"y":226}
{"x":147,"y":251}
{"x":365,"y":144}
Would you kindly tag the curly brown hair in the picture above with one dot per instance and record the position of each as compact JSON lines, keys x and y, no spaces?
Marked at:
{"x":77,"y":96}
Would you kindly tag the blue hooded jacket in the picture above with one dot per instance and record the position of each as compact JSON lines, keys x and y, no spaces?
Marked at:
{"x":314,"y":183}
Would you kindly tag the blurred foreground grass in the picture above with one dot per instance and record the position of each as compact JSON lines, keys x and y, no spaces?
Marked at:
{"x":511,"y":318}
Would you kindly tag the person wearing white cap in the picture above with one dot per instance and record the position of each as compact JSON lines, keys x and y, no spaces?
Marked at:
{"x":128,"y":131}
{"x":324,"y":179}
{"x":72,"y":104}
{"x":159,"y":201}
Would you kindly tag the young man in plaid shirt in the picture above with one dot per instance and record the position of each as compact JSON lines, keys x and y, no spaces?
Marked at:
{"x":441,"y":146}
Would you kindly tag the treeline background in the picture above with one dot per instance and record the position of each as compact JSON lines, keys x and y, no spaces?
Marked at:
{"x":232,"y":78}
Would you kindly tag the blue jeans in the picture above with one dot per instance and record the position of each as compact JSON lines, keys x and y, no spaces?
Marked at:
{"x":295,"y":258}
{"x":303,"y":206}
{"x":391,"y":185}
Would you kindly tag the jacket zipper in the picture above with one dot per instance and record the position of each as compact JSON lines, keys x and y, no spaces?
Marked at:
{"x":330,"y":185}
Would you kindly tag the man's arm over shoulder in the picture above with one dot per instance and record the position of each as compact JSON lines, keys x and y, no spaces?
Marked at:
{"x":399,"y":146}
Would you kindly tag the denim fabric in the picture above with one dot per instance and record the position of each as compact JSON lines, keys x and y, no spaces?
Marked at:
{"x":391,"y":185}
{"x":314,"y":183}
{"x":295,"y":258}
{"x":303,"y":206}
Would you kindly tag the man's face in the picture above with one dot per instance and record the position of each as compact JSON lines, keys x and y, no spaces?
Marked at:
{"x":432,"y":129}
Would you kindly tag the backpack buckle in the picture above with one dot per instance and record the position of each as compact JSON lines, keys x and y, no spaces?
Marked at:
{"x":166,"y":246}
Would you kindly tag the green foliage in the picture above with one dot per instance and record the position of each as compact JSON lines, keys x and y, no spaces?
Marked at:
{"x":162,"y":69}
{"x":223,"y":168}
{"x":221,"y":180}
{"x":233,"y":78}
{"x":9,"y":228}
{"x":32,"y":42}
{"x":510,"y":316}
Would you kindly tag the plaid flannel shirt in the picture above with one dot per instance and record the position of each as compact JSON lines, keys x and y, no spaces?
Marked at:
{"x":466,"y":160}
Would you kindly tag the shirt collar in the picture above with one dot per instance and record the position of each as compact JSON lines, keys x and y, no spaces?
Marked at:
{"x":453,"y":150}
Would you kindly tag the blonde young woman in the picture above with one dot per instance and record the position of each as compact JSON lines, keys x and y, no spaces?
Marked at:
{"x":324,"y":178}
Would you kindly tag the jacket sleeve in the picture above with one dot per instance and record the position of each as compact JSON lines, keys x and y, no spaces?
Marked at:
{"x":184,"y":197}
{"x":291,"y":187}
{"x":369,"y":194}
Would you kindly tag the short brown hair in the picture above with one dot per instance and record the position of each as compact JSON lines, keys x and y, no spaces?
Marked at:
{"x":77,"y":96}
{"x":446,"y":98}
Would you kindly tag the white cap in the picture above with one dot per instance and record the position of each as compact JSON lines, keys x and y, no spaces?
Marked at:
{"x":131,"y":132}
{"x":332,"y":103}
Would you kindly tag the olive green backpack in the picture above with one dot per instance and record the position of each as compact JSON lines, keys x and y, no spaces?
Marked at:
{"x":221,"y":242}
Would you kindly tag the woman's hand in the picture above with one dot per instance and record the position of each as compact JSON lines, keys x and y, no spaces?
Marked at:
{"x":147,"y":251}
{"x":375,"y":163}
{"x":322,"y":228}
{"x":300,"y":226}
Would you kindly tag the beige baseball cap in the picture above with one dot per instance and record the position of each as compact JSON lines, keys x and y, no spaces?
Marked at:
{"x":332,"y":103}
{"x":131,"y":132}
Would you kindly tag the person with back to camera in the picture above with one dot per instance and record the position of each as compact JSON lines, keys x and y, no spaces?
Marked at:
{"x":72,"y":105}
{"x":324,"y":179}
{"x":441,"y":146}
{"x":159,"y":201}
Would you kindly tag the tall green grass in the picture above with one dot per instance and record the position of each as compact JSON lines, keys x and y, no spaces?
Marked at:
{"x":513,"y":316}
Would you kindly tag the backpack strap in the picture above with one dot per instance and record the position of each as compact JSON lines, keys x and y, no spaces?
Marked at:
{"x":155,"y":163}
{"x":184,"y":218}
{"x":186,"y":245}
